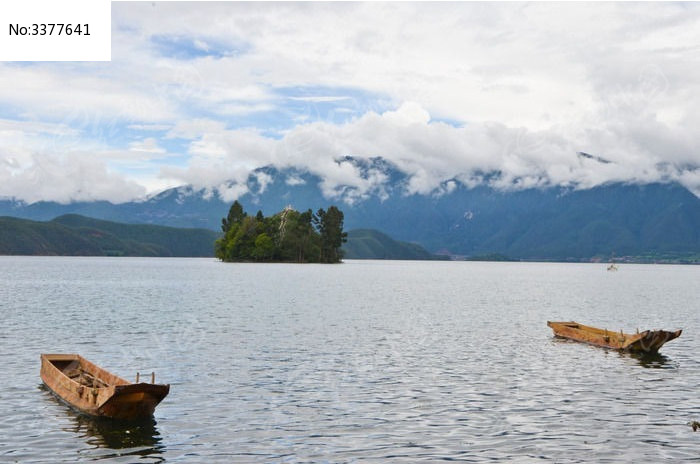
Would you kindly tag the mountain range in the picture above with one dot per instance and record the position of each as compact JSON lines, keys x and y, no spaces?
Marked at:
{"x":653,"y":221}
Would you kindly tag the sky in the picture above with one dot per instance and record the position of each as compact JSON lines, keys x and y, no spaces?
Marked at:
{"x":516,"y":95}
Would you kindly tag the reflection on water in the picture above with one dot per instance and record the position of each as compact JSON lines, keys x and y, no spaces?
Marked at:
{"x":646,"y":360}
{"x":652,"y":360}
{"x":131,"y":438}
{"x":141,"y":437}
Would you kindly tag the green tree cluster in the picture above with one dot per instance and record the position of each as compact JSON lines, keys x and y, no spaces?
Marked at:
{"x":288,"y":236}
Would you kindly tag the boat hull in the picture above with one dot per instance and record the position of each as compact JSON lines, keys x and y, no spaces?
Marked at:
{"x":96,"y":392}
{"x":649,"y":341}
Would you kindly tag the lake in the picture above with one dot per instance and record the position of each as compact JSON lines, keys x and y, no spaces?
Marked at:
{"x":365,"y":361}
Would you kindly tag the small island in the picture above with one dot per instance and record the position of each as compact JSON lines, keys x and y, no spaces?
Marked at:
{"x":288,"y":236}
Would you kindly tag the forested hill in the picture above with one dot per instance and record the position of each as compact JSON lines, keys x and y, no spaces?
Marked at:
{"x":372,"y":244}
{"x":75,"y":235}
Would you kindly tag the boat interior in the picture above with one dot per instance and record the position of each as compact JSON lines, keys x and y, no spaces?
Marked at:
{"x":74,"y":371}
{"x":586,"y":328}
{"x":573,"y":325}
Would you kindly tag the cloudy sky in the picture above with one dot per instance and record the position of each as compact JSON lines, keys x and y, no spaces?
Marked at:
{"x":202,"y":93}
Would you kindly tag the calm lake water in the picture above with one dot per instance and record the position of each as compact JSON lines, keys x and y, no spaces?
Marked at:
{"x":366,"y":361}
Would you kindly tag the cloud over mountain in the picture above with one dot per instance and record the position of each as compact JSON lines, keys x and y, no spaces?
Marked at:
{"x":430,"y":153}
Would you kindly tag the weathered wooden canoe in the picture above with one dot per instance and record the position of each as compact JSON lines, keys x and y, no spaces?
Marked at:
{"x":648,"y":341}
{"x":97,"y":392}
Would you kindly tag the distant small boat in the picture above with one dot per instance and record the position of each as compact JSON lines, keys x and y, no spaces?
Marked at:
{"x":648,"y":341}
{"x":97,"y":392}
{"x":612,"y":267}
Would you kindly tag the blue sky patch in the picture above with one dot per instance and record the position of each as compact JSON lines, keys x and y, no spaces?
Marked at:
{"x":189,"y":48}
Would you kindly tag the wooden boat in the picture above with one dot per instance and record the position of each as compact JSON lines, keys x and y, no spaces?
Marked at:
{"x":648,"y":341}
{"x":97,"y":392}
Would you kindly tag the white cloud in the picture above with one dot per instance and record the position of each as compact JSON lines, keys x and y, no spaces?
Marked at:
{"x":34,"y":128}
{"x":195,"y":128}
{"x":432,"y":153}
{"x":80,"y":95}
{"x":321,"y":99}
{"x":79,"y":177}
{"x":150,"y":127}
{"x":148,"y":145}
{"x":294,"y":180}
{"x":239,"y":109}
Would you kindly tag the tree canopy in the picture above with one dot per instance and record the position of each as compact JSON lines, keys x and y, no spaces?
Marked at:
{"x":288,"y":236}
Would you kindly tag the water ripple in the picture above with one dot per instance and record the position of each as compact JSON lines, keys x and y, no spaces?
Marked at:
{"x":362,"y":362}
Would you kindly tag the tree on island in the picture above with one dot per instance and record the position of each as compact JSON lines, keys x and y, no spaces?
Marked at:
{"x":330,"y":227}
{"x":288,"y":236}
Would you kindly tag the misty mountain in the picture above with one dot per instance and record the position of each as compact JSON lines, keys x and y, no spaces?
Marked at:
{"x":555,"y":223}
